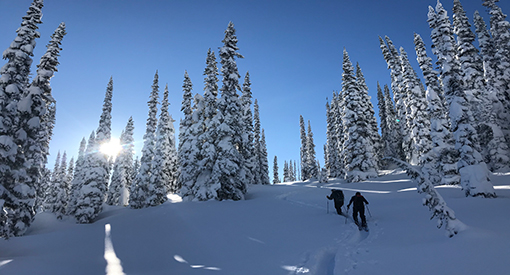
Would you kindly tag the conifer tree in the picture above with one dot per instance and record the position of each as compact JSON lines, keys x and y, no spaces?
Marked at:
{"x":247,"y":117}
{"x":304,"y":151}
{"x":187,"y":154}
{"x":368,"y":111}
{"x":443,"y":157}
{"x":263,"y":162}
{"x":103,"y":134}
{"x":256,"y":142}
{"x":122,"y":169}
{"x":228,"y":169}
{"x":394,"y":141}
{"x":90,"y":198}
{"x":276,"y":177}
{"x":17,"y":189}
{"x":78,"y":176}
{"x":161,"y":172}
{"x":333,"y":165}
{"x":358,"y":149}
{"x":466,"y":138}
{"x":337,"y":108}
{"x":311,"y":161}
{"x":50,"y":196}
{"x":61,"y":190}
{"x":141,"y":188}
{"x":286,"y":172}
{"x":418,"y":123}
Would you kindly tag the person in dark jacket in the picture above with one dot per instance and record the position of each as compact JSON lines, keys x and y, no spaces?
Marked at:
{"x":358,"y":202}
{"x":338,"y":197}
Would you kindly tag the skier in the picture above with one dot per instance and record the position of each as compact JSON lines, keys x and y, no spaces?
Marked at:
{"x":338,"y":197}
{"x":358,"y":207}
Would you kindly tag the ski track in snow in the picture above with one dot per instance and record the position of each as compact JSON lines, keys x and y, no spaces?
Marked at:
{"x":351,"y":248}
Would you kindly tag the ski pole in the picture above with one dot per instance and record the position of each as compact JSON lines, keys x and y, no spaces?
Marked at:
{"x":368,"y":209}
{"x":327,"y":202}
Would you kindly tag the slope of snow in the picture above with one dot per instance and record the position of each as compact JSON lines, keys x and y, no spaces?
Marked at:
{"x":280,"y":229}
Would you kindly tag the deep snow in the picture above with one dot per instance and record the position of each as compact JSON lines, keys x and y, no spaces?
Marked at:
{"x":280,"y":229}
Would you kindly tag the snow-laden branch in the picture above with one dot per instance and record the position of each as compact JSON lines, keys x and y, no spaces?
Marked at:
{"x":435,"y":202}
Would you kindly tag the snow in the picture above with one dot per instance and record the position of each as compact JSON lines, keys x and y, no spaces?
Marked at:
{"x":278,"y":229}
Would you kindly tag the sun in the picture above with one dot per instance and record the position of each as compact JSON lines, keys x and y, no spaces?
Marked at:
{"x":111,"y":148}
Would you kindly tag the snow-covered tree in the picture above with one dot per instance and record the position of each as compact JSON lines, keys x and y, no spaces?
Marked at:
{"x":303,"y":151}
{"x":90,"y":198}
{"x":247,"y":117}
{"x":473,"y":170}
{"x":256,"y":142}
{"x":276,"y":177}
{"x":263,"y":162}
{"x":187,"y":153}
{"x":332,"y":153}
{"x":358,"y":149}
{"x":141,"y":188}
{"x":161,"y":163}
{"x":50,"y":194}
{"x":17,"y":189}
{"x":103,"y":133}
{"x":369,"y":114}
{"x":394,"y":141}
{"x":441,"y":161}
{"x":418,"y":122}
{"x":311,"y":160}
{"x":122,"y":169}
{"x":228,"y":170}
{"x":61,"y":189}
{"x":78,"y":177}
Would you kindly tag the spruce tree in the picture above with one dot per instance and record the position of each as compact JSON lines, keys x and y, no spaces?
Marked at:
{"x":90,"y":198}
{"x":228,"y":170}
{"x":443,"y":157}
{"x":247,"y":117}
{"x":256,"y":142}
{"x":17,"y":189}
{"x":337,"y":107}
{"x":161,"y":172}
{"x":187,"y":153}
{"x":263,"y":162}
{"x":461,"y":118}
{"x":359,"y":156}
{"x":141,"y":188}
{"x":304,"y":151}
{"x":276,"y":177}
{"x":61,"y":189}
{"x":333,"y":166}
{"x":311,"y":160}
{"x":78,"y":176}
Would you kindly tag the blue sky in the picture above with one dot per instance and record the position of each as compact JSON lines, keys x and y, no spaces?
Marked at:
{"x":292,"y":49}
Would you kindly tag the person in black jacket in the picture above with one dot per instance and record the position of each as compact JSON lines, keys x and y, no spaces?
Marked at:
{"x":358,"y":207}
{"x":338,"y":197}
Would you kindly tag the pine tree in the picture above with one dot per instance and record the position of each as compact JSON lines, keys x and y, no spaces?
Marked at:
{"x":392,"y":59}
{"x":276,"y":177}
{"x":247,"y":118}
{"x":443,"y":157}
{"x":206,"y":120}
{"x":256,"y":143}
{"x":359,"y":153}
{"x":78,"y":177}
{"x":394,"y":141}
{"x":311,"y":161}
{"x":141,"y":188}
{"x":161,"y":171}
{"x":337,"y":104}
{"x":61,"y":189}
{"x":494,"y":102}
{"x":333,"y":166}
{"x":466,"y":138}
{"x":303,"y":152}
{"x":187,"y":153}
{"x":90,"y":198}
{"x":369,"y":113}
{"x":418,"y":123}
{"x":263,"y":162}
{"x":228,"y":170}
{"x":51,"y":193}
{"x":103,"y":135}
{"x":17,"y":189}
{"x":122,"y":169}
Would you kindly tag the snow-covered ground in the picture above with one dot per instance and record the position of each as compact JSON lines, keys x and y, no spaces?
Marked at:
{"x":281,"y":229}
